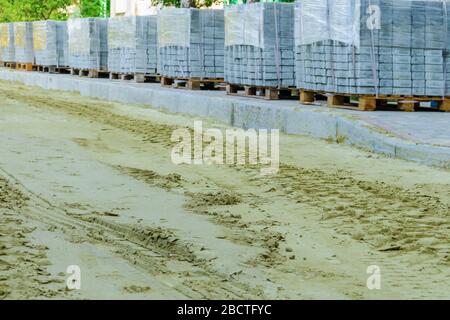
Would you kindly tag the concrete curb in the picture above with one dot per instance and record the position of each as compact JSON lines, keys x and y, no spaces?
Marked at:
{"x":288,"y":116}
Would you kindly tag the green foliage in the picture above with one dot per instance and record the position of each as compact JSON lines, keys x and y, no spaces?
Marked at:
{"x":193,"y":3}
{"x":94,"y":8}
{"x":208,"y":3}
{"x":31,"y":10}
{"x":7,"y":13}
{"x":231,"y":2}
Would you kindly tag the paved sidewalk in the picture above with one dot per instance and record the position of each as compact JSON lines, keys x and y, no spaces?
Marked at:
{"x":421,"y":127}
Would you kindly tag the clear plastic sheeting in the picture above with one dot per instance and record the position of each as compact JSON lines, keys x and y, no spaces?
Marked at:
{"x":40,"y":38}
{"x":79,"y":32}
{"x":50,"y":42}
{"x":88,"y":43}
{"x":122,"y":32}
{"x":342,"y":23}
{"x":7,"y":48}
{"x":244,"y":25}
{"x":132,"y":44}
{"x":62,"y":43}
{"x":174,"y":27}
{"x":376,"y":47}
{"x":259,"y":46}
{"x":191,"y":43}
{"x":23,"y":42}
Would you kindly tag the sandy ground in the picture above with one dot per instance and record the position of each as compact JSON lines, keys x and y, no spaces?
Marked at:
{"x":89,"y":183}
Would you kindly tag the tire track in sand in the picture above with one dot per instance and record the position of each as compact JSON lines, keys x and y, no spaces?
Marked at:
{"x":150,"y":249}
{"x":23,"y":265}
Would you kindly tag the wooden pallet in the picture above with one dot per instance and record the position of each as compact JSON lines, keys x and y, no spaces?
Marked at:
{"x":267,"y":93}
{"x":51,"y":69}
{"x":24,"y":66}
{"x":136,"y":77}
{"x":372,"y":102}
{"x":18,"y":66}
{"x":89,"y":73}
{"x":191,"y":83}
{"x":11,"y":65}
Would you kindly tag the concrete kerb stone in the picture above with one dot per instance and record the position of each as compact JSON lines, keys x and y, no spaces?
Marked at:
{"x":241,"y":112}
{"x":316,"y":124}
{"x":429,"y":155}
{"x":354,"y":133}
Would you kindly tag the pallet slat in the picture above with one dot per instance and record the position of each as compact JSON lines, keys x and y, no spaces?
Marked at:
{"x":89,"y":73}
{"x":11,"y":65}
{"x":191,"y":83}
{"x":19,"y":66}
{"x":136,"y":77}
{"x":51,"y":69}
{"x":372,"y":102}
{"x":24,"y":66}
{"x":267,"y":93}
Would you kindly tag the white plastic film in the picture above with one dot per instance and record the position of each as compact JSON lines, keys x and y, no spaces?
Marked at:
{"x":244,"y":25}
{"x":20,"y":34}
{"x":40,"y":35}
{"x":174,"y":27}
{"x":253,"y":27}
{"x":7,"y":42}
{"x":234,"y":26}
{"x":23,"y":33}
{"x":4,"y":35}
{"x":344,"y":21}
{"x":329,"y":20}
{"x":122,"y":32}
{"x":79,"y":42}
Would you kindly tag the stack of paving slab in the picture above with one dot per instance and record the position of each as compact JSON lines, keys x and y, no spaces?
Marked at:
{"x":376,"y":47}
{"x":133,"y":45}
{"x":259,"y":44}
{"x":50,"y":42}
{"x":7,"y":42}
{"x":191,"y":43}
{"x":88,"y":43}
{"x":23,"y":42}
{"x":62,"y":43}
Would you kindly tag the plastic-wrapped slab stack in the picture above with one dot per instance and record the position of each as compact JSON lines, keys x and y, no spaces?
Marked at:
{"x":23,"y":42}
{"x":259,"y":44}
{"x":62,"y":43}
{"x":88,"y":43}
{"x":132,"y":45}
{"x":50,"y":42}
{"x":7,"y":42}
{"x":191,"y":43}
{"x":376,"y":47}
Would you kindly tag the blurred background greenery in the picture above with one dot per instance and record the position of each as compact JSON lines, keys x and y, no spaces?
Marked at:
{"x":32,"y":10}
